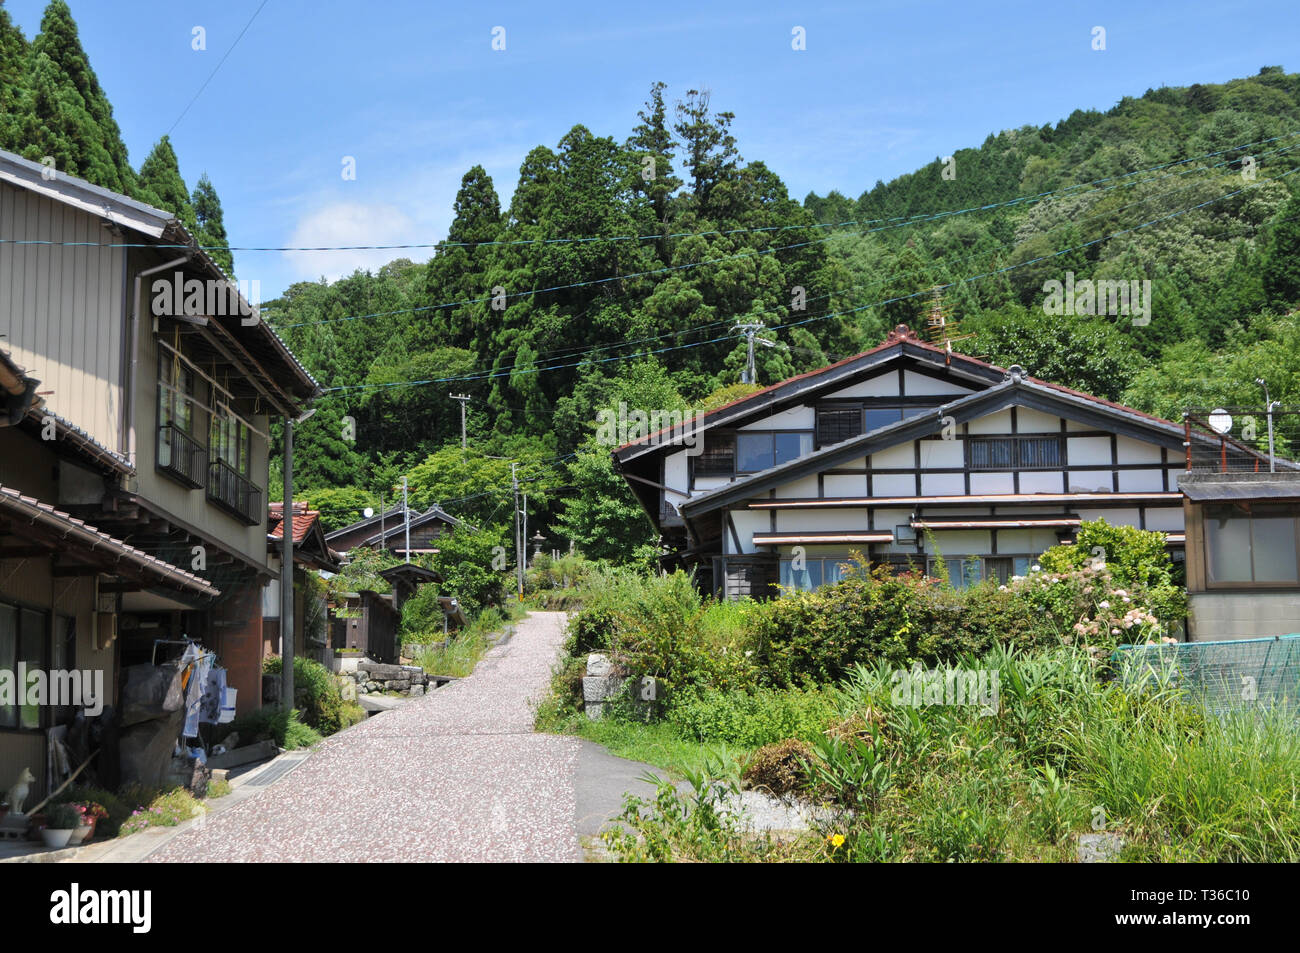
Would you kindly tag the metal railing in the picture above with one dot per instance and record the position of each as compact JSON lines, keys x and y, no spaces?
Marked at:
{"x":180,"y":456}
{"x":1242,"y":439}
{"x":228,"y":489}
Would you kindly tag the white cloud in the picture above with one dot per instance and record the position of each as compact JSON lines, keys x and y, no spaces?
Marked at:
{"x":351,"y":223}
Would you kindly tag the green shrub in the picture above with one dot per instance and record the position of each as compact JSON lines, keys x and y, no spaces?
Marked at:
{"x":751,"y":720}
{"x":422,"y":617}
{"x":1137,"y":560}
{"x":284,"y":727}
{"x":315,"y":693}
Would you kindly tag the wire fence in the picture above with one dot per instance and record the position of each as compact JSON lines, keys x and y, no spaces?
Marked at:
{"x":1243,"y":439}
{"x":1222,"y":676}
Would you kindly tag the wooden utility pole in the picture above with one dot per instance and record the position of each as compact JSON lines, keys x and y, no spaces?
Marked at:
{"x":406,"y":515}
{"x":519,"y":548}
{"x":462,"y":398}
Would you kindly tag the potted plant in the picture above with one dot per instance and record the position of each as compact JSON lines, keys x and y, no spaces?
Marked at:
{"x":60,"y":823}
{"x":85,"y":828}
{"x":92,"y":813}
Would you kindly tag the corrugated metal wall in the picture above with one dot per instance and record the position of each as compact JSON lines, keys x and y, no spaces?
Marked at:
{"x":61,"y":309}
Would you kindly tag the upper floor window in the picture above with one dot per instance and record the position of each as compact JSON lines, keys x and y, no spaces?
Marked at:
{"x":1015,"y":453}
{"x":719,"y":456}
{"x":231,"y":443}
{"x":764,"y":449}
{"x":836,"y":422}
{"x":175,"y":394}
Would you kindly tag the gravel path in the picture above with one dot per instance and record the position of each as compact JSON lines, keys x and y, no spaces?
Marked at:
{"x":457,"y":775}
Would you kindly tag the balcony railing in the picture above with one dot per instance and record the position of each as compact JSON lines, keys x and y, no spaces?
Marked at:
{"x":228,"y":489}
{"x":180,"y":456}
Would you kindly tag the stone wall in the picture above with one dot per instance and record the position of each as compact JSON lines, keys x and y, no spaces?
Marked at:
{"x":376,"y":677}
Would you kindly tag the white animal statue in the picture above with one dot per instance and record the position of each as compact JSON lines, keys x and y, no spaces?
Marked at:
{"x":18,"y":793}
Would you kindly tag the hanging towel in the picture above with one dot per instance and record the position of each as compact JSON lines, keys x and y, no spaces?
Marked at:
{"x":214,"y":696}
{"x":194,"y":694}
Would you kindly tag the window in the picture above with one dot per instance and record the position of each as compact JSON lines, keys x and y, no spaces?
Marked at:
{"x":22,"y":639}
{"x":812,"y":572}
{"x":761,"y":450}
{"x":838,"y":423}
{"x":719,"y":456}
{"x":175,"y":394}
{"x":1255,"y":545}
{"x":1015,"y":453}
{"x":232,"y":443}
{"x":963,"y":571}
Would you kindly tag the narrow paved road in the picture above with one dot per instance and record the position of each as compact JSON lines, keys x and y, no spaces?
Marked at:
{"x":458,"y":775}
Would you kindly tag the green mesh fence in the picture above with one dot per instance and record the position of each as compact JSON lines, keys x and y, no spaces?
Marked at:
{"x":1224,"y":676}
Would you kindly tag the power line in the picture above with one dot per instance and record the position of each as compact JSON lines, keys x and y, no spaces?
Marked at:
{"x":843,"y":313}
{"x":919,"y":218}
{"x":214,"y":73}
{"x":896,"y":221}
{"x":545,"y":366}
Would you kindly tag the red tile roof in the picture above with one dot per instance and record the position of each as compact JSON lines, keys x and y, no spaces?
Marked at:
{"x":303,"y":520}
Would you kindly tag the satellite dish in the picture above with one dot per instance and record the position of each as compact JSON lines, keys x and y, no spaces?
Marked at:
{"x":369,"y":511}
{"x":1220,"y":421}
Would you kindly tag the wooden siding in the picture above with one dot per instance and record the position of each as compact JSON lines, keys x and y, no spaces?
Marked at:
{"x":62,"y":308}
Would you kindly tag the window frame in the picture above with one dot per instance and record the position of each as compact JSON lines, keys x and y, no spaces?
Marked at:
{"x":1016,"y":441}
{"x":20,"y":611}
{"x":1247,"y":513}
{"x":772,"y":435}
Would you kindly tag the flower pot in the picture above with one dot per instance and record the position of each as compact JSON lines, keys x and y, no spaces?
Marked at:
{"x":81,"y":833}
{"x":56,"y":838}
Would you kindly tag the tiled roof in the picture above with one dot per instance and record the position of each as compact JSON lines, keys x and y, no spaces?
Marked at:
{"x":303,"y":519}
{"x":34,"y":510}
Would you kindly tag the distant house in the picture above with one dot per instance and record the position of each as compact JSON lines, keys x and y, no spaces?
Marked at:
{"x":311,"y":555}
{"x":387,"y":531}
{"x":907,"y":453}
{"x":1243,"y":529}
{"x":135,"y":515}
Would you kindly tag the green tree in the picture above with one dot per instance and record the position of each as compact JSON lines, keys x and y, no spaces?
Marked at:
{"x":212,"y":227}
{"x":160,"y":184}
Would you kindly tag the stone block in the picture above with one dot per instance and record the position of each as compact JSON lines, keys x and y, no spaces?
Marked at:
{"x":599,"y":666}
{"x":417,"y":690}
{"x":381,"y":672}
{"x":145,"y":749}
{"x":150,"y":692}
{"x":1099,"y":848}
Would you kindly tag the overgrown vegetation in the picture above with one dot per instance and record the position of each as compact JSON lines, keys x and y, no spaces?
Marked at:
{"x":807,"y":696}
{"x":463,"y":647}
{"x":316,"y":696}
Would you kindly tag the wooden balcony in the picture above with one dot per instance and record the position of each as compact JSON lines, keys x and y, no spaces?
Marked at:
{"x":228,"y":489}
{"x":180,"y":456}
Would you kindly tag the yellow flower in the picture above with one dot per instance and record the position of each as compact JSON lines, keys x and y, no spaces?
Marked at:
{"x":835,"y":840}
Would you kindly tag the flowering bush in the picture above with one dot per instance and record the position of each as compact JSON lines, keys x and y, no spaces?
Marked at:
{"x":1087,"y":605}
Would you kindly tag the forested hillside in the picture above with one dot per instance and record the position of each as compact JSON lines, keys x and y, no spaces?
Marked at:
{"x":625,"y":259}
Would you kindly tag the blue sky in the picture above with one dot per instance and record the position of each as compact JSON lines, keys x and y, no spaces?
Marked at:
{"x":415,"y":92}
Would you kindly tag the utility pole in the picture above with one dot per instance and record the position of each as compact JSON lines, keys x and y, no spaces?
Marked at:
{"x":519,"y":558}
{"x":462,"y":398}
{"x":406,"y":515}
{"x":750,"y":329}
{"x":1268,"y":408}
{"x":286,"y":573}
{"x":523,"y":529}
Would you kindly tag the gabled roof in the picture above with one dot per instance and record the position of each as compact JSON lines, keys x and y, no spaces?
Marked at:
{"x":1016,"y":389}
{"x":899,"y":343}
{"x":902,"y":342}
{"x":433,"y":513}
{"x":308,"y":535}
{"x":164,"y":229}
